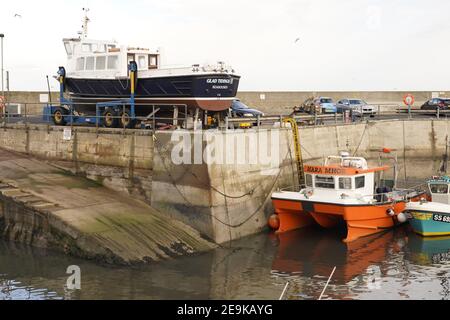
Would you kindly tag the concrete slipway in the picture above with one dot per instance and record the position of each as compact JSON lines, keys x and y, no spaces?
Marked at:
{"x":48,"y":207}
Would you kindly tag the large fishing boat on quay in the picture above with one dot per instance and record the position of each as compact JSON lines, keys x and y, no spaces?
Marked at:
{"x":97,"y":70}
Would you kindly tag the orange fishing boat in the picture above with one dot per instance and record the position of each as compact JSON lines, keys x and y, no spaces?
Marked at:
{"x":343,"y":190}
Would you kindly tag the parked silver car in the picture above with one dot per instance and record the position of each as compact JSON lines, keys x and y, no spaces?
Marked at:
{"x":358,"y":107}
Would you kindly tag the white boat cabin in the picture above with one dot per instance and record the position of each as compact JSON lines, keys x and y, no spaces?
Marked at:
{"x":106,"y":59}
{"x":342,"y":177}
{"x":439,"y":189}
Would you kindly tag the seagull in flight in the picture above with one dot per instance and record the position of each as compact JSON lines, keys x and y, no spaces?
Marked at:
{"x":17,"y":15}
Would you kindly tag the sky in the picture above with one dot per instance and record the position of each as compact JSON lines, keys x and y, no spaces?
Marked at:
{"x":343,"y":45}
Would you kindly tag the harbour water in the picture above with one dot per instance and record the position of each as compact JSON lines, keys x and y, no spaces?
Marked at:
{"x":393,"y":265}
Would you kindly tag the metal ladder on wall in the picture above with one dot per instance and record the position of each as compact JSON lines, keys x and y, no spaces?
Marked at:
{"x":298,"y":150}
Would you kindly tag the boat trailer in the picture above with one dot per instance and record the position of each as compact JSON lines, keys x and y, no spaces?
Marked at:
{"x":105,"y":112}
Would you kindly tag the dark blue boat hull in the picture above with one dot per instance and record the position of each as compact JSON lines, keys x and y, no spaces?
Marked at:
{"x":208,"y":92}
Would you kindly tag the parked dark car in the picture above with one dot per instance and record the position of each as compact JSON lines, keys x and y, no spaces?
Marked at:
{"x":239,"y":109}
{"x":435,"y":103}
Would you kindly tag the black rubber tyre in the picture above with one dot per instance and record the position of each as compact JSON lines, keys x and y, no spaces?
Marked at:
{"x":109,"y":118}
{"x":125,"y":120}
{"x":58,"y":117}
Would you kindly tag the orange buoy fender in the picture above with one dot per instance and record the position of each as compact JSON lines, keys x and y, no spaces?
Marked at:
{"x":274,"y":222}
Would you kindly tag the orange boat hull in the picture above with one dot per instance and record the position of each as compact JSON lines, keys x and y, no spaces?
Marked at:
{"x":361,"y":220}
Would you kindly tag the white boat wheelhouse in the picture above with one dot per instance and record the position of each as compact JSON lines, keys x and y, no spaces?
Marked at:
{"x":97,"y":59}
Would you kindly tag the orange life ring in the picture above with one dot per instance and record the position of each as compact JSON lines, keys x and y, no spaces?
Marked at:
{"x":409,"y":99}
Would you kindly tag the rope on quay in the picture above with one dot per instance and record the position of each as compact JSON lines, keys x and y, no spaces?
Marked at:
{"x":362,"y":138}
{"x":157,"y":144}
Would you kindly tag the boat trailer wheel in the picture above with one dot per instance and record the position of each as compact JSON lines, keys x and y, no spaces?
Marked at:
{"x":125,"y":119}
{"x":109,"y":119}
{"x":58,"y":117}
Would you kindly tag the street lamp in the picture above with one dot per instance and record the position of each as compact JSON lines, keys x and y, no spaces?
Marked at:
{"x":1,"y":37}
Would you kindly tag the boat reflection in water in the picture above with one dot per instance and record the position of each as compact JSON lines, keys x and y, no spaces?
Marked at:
{"x":396,"y":264}
{"x":367,"y":268}
{"x":312,"y":253}
{"x":429,"y":250}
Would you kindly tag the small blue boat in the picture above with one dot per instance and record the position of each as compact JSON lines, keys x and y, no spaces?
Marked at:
{"x":432,"y":219}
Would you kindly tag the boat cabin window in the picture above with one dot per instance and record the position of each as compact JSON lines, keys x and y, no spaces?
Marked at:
{"x":142,"y":62}
{"x":80,"y":64}
{"x":152,"y":61}
{"x":439,"y":188}
{"x":113,"y":62}
{"x":345,"y":183}
{"x":68,"y":47}
{"x":100,"y":63}
{"x":360,"y":182}
{"x":326,"y":182}
{"x":130,"y":58}
{"x":90,"y":61}
{"x":308,"y":180}
{"x":86,"y":47}
{"x":101,"y":48}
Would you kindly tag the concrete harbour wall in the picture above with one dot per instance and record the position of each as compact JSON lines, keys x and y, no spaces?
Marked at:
{"x":222,"y":201}
{"x":283,"y":102}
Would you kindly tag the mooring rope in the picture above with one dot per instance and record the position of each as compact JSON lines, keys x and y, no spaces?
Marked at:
{"x":362,"y":138}
{"x":214,"y":217}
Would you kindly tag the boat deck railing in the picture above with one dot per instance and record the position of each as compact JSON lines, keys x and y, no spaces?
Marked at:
{"x":403,"y":194}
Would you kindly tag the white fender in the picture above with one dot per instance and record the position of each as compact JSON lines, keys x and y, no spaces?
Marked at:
{"x":401,"y":217}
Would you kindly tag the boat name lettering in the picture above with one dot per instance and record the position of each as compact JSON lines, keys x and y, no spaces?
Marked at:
{"x":320,"y":170}
{"x":219,"y":81}
{"x":220,"y":87}
{"x":333,"y":171}
{"x":311,"y":169}
{"x":441,"y":218}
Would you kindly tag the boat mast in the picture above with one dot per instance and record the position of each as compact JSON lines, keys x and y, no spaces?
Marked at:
{"x":84,"y":32}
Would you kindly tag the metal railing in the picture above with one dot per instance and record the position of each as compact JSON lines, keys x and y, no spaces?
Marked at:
{"x":157,"y":116}
{"x":31,"y":113}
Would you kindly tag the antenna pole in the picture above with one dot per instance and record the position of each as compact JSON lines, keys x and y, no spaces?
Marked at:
{"x":86,"y":20}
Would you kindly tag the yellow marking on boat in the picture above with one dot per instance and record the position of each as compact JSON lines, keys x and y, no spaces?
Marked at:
{"x":422,"y":216}
{"x":438,"y":238}
{"x":432,"y":234}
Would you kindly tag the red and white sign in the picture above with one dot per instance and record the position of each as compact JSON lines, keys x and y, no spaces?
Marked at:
{"x":408,"y":99}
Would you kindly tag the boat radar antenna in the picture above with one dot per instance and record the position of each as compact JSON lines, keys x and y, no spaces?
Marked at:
{"x":84,"y":32}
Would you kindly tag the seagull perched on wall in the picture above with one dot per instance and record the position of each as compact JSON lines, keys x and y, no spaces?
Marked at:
{"x":17,"y":15}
